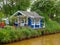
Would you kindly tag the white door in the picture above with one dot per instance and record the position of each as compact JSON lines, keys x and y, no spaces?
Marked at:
{"x":22,"y":23}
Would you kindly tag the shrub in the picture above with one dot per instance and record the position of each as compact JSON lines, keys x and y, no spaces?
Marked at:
{"x":52,"y":26}
{"x":9,"y":33}
{"x":5,"y":35}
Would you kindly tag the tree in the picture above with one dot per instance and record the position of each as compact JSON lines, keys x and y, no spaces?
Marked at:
{"x":44,"y":7}
{"x":0,"y":0}
{"x":47,"y":8}
{"x":57,"y":17}
{"x":14,"y":5}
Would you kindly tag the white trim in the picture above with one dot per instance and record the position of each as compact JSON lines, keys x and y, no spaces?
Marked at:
{"x":16,"y":13}
{"x":22,"y":13}
{"x":39,"y":24}
{"x":34,"y":23}
{"x":22,"y":24}
{"x":27,"y":21}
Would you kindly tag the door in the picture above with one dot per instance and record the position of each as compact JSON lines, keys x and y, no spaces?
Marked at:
{"x":22,"y":22}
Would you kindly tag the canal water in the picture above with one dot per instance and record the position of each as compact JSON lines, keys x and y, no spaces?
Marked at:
{"x":43,"y":40}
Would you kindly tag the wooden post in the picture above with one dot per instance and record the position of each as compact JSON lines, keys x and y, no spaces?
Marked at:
{"x":18,"y":21}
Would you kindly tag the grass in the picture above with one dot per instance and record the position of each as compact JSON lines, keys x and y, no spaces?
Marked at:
{"x":8,"y":34}
{"x":52,"y":26}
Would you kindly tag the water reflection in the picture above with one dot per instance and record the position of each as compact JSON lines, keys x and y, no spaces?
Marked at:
{"x":43,"y":40}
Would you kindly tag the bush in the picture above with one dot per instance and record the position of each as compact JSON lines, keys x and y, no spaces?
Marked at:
{"x":52,"y":26}
{"x":5,"y":35}
{"x":9,"y":33}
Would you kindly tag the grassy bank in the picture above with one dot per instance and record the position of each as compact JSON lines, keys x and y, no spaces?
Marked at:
{"x":12,"y":34}
{"x":52,"y":26}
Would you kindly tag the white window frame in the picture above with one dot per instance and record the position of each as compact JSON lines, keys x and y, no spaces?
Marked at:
{"x":37,"y":23}
{"x":33,"y":21}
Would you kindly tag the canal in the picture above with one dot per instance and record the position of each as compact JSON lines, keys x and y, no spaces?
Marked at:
{"x":43,"y":40}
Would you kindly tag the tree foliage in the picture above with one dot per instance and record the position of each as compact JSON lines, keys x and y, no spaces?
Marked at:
{"x":57,"y":18}
{"x":46,"y":7}
{"x":12,"y":6}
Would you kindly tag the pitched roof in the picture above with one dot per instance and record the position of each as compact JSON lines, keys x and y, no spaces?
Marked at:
{"x":29,"y":14}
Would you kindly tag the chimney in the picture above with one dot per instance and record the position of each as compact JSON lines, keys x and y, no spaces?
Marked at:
{"x":29,"y":9}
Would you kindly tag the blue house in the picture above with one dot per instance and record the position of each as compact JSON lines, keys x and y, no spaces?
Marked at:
{"x":31,"y":19}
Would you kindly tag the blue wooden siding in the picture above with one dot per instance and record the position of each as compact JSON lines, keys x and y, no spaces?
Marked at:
{"x":29,"y":21}
{"x":37,"y":26}
{"x":32,"y":26}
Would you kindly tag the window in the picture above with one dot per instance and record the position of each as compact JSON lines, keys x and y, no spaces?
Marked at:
{"x":37,"y":21}
{"x":22,"y":22}
{"x":32,"y":21}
